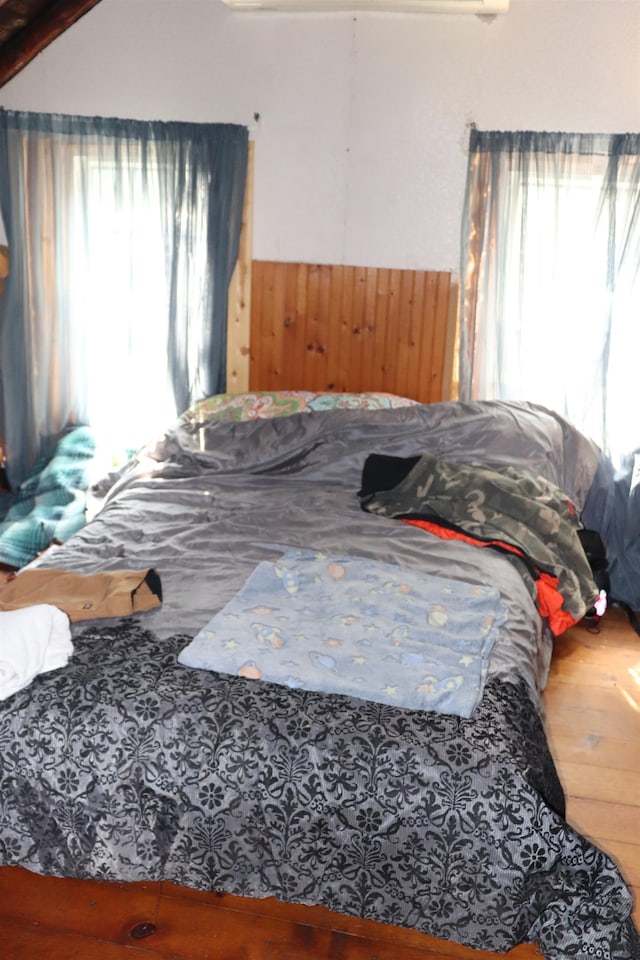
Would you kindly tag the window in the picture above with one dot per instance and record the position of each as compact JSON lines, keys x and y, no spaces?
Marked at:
{"x":552,"y":289}
{"x":119,"y":304}
{"x":124,"y":235}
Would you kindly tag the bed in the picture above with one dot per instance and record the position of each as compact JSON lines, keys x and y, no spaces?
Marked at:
{"x":140,"y":760}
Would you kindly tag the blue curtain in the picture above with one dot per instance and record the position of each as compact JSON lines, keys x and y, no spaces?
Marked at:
{"x":550,"y":306}
{"x":123,"y":236}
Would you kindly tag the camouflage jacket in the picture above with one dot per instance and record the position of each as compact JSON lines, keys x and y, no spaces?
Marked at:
{"x":498,"y":504}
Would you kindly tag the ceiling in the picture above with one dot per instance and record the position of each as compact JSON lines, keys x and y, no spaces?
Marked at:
{"x":28,"y":26}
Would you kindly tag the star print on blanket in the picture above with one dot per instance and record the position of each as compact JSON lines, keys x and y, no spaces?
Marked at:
{"x":353,"y":626}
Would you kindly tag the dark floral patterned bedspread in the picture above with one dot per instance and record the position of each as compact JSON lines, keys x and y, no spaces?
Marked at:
{"x":127,"y":766}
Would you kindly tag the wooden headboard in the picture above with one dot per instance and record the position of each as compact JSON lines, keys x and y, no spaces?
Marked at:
{"x":338,"y":328}
{"x":300,"y":326}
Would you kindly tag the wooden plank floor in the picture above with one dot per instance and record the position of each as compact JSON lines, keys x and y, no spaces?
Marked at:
{"x":593,"y":719}
{"x":593,"y":723}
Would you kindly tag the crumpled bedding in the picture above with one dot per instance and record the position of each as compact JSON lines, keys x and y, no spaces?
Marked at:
{"x":613,"y":509}
{"x":50,"y":504}
{"x":127,"y":765}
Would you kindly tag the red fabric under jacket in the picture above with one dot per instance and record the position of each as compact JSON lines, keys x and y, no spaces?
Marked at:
{"x":549,"y":599}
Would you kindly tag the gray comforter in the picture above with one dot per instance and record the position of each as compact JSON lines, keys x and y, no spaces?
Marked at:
{"x":127,"y":765}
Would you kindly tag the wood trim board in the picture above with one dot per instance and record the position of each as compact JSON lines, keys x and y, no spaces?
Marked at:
{"x":239,"y":297}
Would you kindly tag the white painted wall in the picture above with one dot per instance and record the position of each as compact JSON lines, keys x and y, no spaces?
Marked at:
{"x":363,"y":119}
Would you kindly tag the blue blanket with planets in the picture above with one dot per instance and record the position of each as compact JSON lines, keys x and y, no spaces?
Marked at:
{"x":357,"y":627}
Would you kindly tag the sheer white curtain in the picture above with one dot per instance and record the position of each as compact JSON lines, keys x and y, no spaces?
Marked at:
{"x":120,"y":337}
{"x":123,"y":235}
{"x":551,"y":277}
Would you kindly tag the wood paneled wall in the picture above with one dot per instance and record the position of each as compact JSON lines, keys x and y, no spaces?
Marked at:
{"x":340,"y":328}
